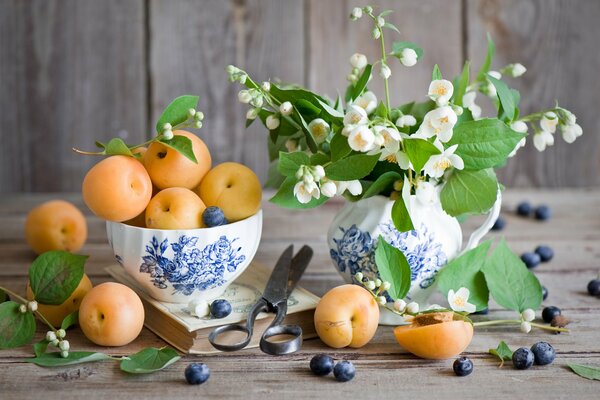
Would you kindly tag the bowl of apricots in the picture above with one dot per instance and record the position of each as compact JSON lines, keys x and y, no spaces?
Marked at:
{"x":183,"y":230}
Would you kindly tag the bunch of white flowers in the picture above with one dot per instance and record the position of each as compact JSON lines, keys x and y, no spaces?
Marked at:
{"x":312,"y":183}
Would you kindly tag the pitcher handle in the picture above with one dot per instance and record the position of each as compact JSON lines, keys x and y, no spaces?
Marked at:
{"x":478,"y":234}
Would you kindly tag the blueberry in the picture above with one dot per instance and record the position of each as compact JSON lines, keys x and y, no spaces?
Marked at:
{"x":522,"y":358}
{"x":524,"y":209}
{"x":321,"y":364}
{"x":542,"y":213}
{"x":197,"y":373}
{"x":462,"y":366}
{"x":213,"y":216}
{"x":344,"y":371}
{"x":484,"y":311}
{"x":594,"y":287}
{"x":543,"y":353}
{"x":220,"y":308}
{"x":499,"y":224}
{"x":544,"y":293}
{"x":548,"y":313}
{"x":545,"y":252}
{"x":530,"y":259}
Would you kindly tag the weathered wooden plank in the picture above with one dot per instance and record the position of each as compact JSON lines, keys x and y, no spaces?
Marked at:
{"x":333,"y":38}
{"x":552,"y":39}
{"x":71,"y":72}
{"x":191,"y":43}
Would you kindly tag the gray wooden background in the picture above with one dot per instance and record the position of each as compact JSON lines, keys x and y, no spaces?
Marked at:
{"x":75,"y":71}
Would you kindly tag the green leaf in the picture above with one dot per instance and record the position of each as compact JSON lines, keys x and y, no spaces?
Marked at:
{"x":586,"y":371}
{"x":333,"y":114}
{"x":419,"y":151}
{"x":361,"y":84}
{"x":117,"y":146}
{"x":472,"y":192}
{"x":511,"y":284}
{"x":319,"y":159}
{"x":339,"y":147}
{"x":503,"y":352}
{"x":381,"y":110}
{"x":16,"y":328}
{"x":350,"y":168}
{"x":3,"y":296}
{"x":463,"y":82}
{"x":274,"y":177}
{"x":465,"y":271}
{"x":70,"y":320}
{"x":40,"y":347}
{"x":436,"y":74}
{"x":400,"y":216}
{"x":397,"y":48}
{"x":289,"y":163}
{"x":505,"y":96}
{"x":177,"y":111}
{"x":54,"y":275}
{"x":310,"y":140}
{"x":305,"y":107}
{"x":182,"y":145}
{"x":149,"y":360}
{"x":382,"y":183}
{"x":484,"y":143}
{"x":391,"y":26}
{"x":393,"y":268}
{"x":285,"y":196}
{"x":75,"y":357}
{"x":489,"y":56}
{"x":293,"y":95}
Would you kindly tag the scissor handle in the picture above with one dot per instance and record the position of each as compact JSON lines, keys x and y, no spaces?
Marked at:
{"x":247,"y":328}
{"x":281,"y":347}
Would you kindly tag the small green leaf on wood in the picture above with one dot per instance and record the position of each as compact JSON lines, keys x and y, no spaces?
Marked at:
{"x":116,"y":146}
{"x":149,"y":360}
{"x":54,"y":275}
{"x":393,"y":268}
{"x":40,"y":347}
{"x":75,"y":357}
{"x":70,"y":320}
{"x":182,"y":145}
{"x":401,"y":217}
{"x":503,"y":352}
{"x":177,"y":112}
{"x":586,"y":371}
{"x":16,"y":328}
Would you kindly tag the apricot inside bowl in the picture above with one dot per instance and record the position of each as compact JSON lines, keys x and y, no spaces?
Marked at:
{"x":435,"y":336}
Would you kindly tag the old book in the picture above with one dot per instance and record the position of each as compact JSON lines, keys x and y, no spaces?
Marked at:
{"x":174,"y":324}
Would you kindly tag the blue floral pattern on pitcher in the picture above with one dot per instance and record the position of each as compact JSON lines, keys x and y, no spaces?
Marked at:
{"x":355,"y":252}
{"x":190,"y":268}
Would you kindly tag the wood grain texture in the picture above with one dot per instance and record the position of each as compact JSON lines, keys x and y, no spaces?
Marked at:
{"x":192,"y":42}
{"x":71,"y":72}
{"x":552,"y":38}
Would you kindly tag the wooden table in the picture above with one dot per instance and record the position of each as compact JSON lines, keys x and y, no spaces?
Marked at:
{"x":384,"y":370}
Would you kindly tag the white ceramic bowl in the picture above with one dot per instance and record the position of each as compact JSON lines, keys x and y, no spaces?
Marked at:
{"x":177,"y":266}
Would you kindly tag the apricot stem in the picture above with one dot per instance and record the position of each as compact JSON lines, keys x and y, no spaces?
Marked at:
{"x":88,"y":153}
{"x":516,"y":321}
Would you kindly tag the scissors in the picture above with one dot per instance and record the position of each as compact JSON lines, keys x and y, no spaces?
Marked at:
{"x":283,"y":280}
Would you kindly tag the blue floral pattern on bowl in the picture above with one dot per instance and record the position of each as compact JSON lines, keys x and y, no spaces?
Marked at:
{"x":187,"y":267}
{"x":355,"y":252}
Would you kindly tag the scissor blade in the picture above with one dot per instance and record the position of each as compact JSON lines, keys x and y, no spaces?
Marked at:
{"x":276,"y":288}
{"x":299,"y":264}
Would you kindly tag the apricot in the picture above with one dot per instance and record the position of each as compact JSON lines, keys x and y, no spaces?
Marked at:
{"x":118,"y":188}
{"x":435,"y":336}
{"x":347,"y":315}
{"x":234,"y":188}
{"x":169,"y":168}
{"x":141,"y":151}
{"x":55,"y":225}
{"x":175,"y":208}
{"x":56,"y":313}
{"x":111,"y":314}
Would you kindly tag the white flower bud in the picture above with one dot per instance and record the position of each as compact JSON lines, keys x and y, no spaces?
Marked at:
{"x":300,"y":172}
{"x":266,"y":86}
{"x":528,"y":315}
{"x":199,"y":115}
{"x":243,"y":78}
{"x":412,"y":308}
{"x":231,"y":69}
{"x":285,"y":108}
{"x":408,"y":57}
{"x":61,"y":333}
{"x":252,"y":113}
{"x":380,"y":22}
{"x":22,"y":308}
{"x":382,"y":300}
{"x":256,"y":101}
{"x":525,"y":327}
{"x":386,"y":285}
{"x":50,"y":336}
{"x":359,"y":276}
{"x":354,"y":187}
{"x":495,"y":74}
{"x":356,"y":13}
{"x":519,"y":126}
{"x":368,"y":9}
{"x":318,"y":172}
{"x":384,"y":71}
{"x":272,"y":122}
{"x":32,"y":306}
{"x":351,"y":78}
{"x":378,"y":282}
{"x":167,"y":127}
{"x":54,"y":342}
{"x":291,"y":145}
{"x":370,"y":285}
{"x":244,"y":96}
{"x":517,"y":70}
{"x":64,"y":345}
{"x":328,"y":188}
{"x":376,"y":33}
{"x":406,"y":120}
{"x":569,"y":117}
{"x":458,"y":110}
{"x":64,"y":353}
{"x":168,"y":134}
{"x":198,"y":124}
{"x":400,"y":305}
{"x":191,"y":112}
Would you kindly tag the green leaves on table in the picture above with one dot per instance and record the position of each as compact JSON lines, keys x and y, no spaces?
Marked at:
{"x":393,"y":268}
{"x":469,"y":192}
{"x":149,"y":360}
{"x":54,"y":275}
{"x":16,"y":328}
{"x":586,"y":371}
{"x":503,"y":352}
{"x":54,"y":359}
{"x":177,"y":112}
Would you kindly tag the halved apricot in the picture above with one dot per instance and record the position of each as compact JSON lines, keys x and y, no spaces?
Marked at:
{"x":435,"y":336}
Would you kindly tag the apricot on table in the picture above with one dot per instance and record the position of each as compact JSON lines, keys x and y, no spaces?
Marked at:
{"x":55,"y":225}
{"x":232,"y":187}
{"x":169,"y":168}
{"x":56,"y":313}
{"x":111,"y":314}
{"x":347,"y":315}
{"x":175,"y":208}
{"x":118,"y":188}
{"x":435,"y":336}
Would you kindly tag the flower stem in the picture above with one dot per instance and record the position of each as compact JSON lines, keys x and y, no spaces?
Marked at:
{"x":25,"y":301}
{"x":385,"y":80}
{"x":516,"y":321}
